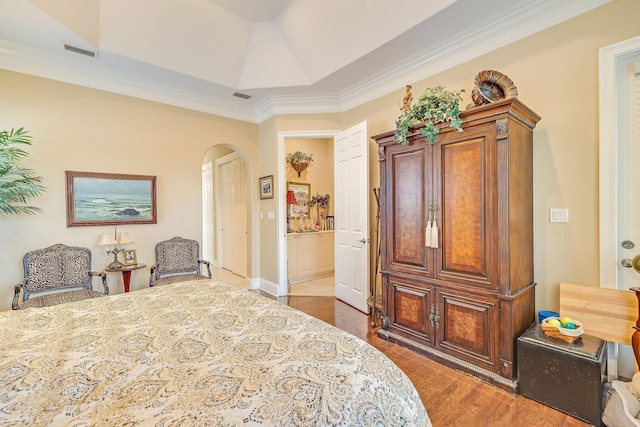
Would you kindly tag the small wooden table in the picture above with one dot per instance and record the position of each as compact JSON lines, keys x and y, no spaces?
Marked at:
{"x":126,"y":273}
{"x":565,"y":376}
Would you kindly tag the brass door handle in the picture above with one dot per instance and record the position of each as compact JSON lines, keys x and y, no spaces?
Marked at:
{"x":635,"y":263}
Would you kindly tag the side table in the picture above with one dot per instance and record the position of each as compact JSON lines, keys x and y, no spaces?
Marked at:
{"x":565,"y":376}
{"x":126,"y":273}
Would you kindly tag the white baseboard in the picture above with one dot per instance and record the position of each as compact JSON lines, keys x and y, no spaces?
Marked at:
{"x":265,"y":285}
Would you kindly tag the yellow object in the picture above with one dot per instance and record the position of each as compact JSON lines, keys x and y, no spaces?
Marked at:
{"x":565,"y":319}
{"x":553,"y":322}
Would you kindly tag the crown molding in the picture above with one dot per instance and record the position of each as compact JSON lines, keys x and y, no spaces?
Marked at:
{"x":277,"y":105}
{"x":86,"y":72}
{"x":516,"y":23}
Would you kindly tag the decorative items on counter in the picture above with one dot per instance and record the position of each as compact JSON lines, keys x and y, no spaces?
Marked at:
{"x":304,"y":225}
{"x":320,"y":202}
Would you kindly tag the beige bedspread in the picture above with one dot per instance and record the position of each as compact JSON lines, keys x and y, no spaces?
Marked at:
{"x":193,"y":353}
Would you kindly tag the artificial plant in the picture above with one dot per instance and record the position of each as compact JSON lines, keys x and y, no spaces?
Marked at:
{"x":436,"y":105}
{"x":17,"y":184}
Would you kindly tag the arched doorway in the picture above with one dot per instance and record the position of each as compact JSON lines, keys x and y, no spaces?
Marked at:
{"x":226,"y":208}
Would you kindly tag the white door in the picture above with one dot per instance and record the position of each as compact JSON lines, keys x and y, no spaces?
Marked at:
{"x":233,"y":190}
{"x":351,"y":157}
{"x":619,"y":164}
{"x":207,"y":212}
{"x":628,"y":177}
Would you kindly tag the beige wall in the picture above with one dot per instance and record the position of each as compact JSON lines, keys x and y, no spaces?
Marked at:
{"x":80,"y":129}
{"x":556,"y":72}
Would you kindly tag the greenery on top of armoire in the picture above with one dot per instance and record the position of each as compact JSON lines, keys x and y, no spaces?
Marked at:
{"x":17,"y":184}
{"x":435,"y":105}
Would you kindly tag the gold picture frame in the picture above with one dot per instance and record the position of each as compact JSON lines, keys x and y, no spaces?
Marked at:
{"x":98,"y":199}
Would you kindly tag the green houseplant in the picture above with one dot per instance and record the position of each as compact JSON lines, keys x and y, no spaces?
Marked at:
{"x":17,"y":184}
{"x":436,"y":105}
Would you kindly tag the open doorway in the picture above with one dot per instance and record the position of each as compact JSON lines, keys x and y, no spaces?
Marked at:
{"x":283,"y":249}
{"x":310,"y":235}
{"x":351,"y":205}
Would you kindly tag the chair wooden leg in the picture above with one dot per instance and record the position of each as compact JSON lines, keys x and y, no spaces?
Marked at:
{"x":635,"y":338}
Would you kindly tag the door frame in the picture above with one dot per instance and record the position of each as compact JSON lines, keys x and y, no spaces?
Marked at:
{"x":282,"y":198}
{"x":208,"y":214}
{"x":611,"y":58}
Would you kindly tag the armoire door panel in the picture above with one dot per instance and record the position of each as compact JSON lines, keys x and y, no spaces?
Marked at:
{"x":409,"y":185}
{"x":465,"y":209}
{"x":467,"y":327}
{"x":411,"y":306}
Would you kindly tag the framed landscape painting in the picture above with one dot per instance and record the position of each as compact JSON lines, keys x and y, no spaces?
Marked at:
{"x":110,"y":199}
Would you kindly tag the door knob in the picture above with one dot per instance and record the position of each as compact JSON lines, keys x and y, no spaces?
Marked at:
{"x":635,"y":263}
{"x":364,"y":240}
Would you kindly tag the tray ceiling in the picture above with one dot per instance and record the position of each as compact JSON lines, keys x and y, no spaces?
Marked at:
{"x":287,"y":56}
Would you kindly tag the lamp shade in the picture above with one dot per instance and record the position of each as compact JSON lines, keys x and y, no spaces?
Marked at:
{"x":125,"y":239}
{"x":108,"y":239}
{"x":291,"y":198}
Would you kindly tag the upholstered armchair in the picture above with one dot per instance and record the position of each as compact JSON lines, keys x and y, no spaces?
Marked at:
{"x":56,"y":275}
{"x":177,"y":260}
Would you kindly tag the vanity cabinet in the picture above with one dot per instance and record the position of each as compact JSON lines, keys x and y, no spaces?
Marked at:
{"x":310,"y":255}
{"x":465,"y":298}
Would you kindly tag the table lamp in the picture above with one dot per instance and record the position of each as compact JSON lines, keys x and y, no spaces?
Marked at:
{"x":114,"y":240}
{"x":291,"y":200}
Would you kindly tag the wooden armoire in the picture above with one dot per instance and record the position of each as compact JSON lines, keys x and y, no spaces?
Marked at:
{"x":465,"y":300}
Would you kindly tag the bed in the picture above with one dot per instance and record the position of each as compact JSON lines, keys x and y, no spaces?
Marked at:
{"x":193,"y":353}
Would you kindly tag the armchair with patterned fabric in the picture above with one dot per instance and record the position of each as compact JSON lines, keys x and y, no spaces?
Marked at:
{"x":177,"y":260}
{"x":56,"y":275}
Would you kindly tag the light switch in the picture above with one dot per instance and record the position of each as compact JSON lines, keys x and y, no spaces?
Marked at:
{"x":558,"y":215}
{"x":271,"y":215}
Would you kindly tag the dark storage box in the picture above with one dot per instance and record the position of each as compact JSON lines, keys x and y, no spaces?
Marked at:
{"x":565,"y":376}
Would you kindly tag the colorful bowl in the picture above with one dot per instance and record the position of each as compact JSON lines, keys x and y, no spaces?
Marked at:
{"x":579,"y":330}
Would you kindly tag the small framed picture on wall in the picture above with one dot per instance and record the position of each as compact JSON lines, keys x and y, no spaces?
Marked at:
{"x":266,"y":187}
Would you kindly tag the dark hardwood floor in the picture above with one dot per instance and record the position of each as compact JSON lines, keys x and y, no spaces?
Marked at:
{"x":452,"y":398}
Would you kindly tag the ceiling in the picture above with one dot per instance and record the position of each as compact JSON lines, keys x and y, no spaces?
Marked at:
{"x":287,"y":56}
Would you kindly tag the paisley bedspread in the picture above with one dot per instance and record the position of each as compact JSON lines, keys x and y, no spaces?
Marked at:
{"x":200,"y":353}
